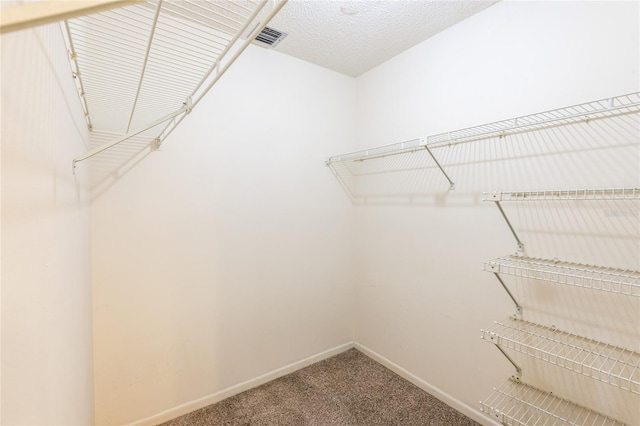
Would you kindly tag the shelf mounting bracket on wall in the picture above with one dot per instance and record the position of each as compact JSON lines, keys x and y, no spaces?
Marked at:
{"x":433,"y":157}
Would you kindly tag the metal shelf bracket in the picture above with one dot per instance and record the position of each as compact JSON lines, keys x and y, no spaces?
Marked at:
{"x":452,"y":185}
{"x":496,"y":197}
{"x":494,"y":268}
{"x":518,"y":369}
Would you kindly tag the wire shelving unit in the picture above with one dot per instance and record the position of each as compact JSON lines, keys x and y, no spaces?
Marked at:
{"x":144,"y":67}
{"x":607,"y":363}
{"x":612,"y":280}
{"x":350,"y":168}
{"x":603,"y":108}
{"x":517,"y":403}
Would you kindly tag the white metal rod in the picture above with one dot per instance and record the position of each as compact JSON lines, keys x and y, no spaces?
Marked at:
{"x":40,"y":13}
{"x":146,"y":60}
{"x":123,"y":138}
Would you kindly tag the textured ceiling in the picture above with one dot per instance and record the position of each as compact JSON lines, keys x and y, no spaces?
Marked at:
{"x":352,"y":37}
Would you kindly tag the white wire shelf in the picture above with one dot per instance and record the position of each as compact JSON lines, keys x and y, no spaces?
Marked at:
{"x":140,"y":64}
{"x":607,"y":363}
{"x":565,"y":194}
{"x":516,"y":403}
{"x":618,"y":105}
{"x":612,"y":280}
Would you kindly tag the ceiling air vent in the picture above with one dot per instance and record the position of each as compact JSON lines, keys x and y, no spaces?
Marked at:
{"x":270,"y":36}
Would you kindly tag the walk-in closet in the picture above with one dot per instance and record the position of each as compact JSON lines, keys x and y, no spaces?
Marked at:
{"x":320,"y":212}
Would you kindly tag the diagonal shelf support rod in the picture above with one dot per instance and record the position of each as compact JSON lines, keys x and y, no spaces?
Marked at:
{"x":513,"y":231}
{"x":504,"y":286}
{"x":186,"y":108}
{"x":506,"y":355}
{"x":451,"y":184}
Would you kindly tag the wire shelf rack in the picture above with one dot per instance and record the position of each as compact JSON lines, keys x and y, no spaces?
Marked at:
{"x":136,"y":67}
{"x":618,"y":105}
{"x":517,"y":403}
{"x":612,"y":280}
{"x":565,"y":194}
{"x":607,"y":363}
{"x":624,"y":104}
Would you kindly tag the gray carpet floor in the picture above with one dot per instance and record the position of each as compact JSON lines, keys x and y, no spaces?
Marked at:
{"x":349,"y":389}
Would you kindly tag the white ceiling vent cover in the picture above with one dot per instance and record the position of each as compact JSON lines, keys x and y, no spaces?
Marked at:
{"x":270,"y":36}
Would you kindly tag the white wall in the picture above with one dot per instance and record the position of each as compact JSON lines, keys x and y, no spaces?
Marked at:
{"x":46,"y":289}
{"x":228,"y":254}
{"x":421,"y":295}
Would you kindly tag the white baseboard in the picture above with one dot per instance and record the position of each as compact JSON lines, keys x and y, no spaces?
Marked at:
{"x":199,"y":403}
{"x":465,"y":409}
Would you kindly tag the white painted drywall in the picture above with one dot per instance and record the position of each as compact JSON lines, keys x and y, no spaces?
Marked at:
{"x":47,"y":373}
{"x":420,"y":293}
{"x":228,"y":254}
